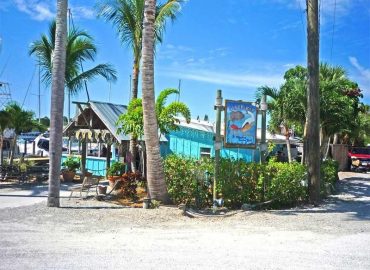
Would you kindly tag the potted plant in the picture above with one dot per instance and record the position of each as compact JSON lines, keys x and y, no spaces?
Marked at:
{"x":115,"y":172}
{"x":70,"y":165}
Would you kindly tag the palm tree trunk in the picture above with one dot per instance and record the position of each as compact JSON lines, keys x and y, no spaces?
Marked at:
{"x":1,"y":149}
{"x":313,"y":102}
{"x":12,"y":150}
{"x":288,"y":149}
{"x":57,"y":102}
{"x":133,"y":151}
{"x":155,"y":174}
{"x":135,"y":79}
{"x":134,"y":93}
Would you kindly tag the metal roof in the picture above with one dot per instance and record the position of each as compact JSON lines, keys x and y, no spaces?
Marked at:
{"x":108,"y":114}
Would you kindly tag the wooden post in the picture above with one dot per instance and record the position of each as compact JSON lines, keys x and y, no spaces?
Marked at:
{"x":108,"y":157}
{"x":83,"y":157}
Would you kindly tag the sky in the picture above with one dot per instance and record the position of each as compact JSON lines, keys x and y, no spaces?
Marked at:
{"x":232,"y":45}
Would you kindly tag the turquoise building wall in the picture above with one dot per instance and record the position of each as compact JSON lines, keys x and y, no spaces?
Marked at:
{"x":189,"y":142}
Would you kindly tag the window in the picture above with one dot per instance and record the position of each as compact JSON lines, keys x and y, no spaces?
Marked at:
{"x":205,"y":152}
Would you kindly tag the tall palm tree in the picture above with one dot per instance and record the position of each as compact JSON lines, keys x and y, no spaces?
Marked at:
{"x":57,"y":100}
{"x":80,"y":47}
{"x":20,"y":121}
{"x":4,"y":123}
{"x":155,"y":174}
{"x":127,"y":17}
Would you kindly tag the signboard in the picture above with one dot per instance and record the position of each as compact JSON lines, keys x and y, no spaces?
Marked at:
{"x":240,"y":124}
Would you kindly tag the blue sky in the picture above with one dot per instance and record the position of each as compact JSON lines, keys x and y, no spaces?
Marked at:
{"x":233,"y":45}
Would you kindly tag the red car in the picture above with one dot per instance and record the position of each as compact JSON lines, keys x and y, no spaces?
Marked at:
{"x":359,"y":159}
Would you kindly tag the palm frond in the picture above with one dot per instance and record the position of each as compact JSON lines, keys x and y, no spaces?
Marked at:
{"x":162,"y":98}
{"x":104,"y":70}
{"x":168,"y":10}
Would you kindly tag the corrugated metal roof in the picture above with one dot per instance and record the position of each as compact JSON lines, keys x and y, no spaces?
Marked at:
{"x":196,"y":124}
{"x":108,"y":114}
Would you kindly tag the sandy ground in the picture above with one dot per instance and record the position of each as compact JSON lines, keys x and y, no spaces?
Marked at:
{"x":87,"y":234}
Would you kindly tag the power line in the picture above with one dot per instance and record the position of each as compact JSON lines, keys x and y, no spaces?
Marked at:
{"x":332,"y":36}
{"x":301,"y":12}
{"x":29,"y":85}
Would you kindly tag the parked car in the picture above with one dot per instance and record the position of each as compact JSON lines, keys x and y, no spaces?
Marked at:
{"x":359,"y":159}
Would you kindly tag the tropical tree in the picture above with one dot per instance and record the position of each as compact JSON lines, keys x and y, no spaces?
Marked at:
{"x":4,"y":123}
{"x":80,"y":47}
{"x":127,"y":16}
{"x":278,"y":107}
{"x":20,"y":121}
{"x":155,"y":174}
{"x":132,"y":121}
{"x":57,"y":100}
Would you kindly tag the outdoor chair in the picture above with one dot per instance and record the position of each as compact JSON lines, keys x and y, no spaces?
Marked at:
{"x":88,"y":182}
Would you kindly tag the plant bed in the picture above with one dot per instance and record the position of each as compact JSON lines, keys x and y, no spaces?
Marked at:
{"x":138,"y":203}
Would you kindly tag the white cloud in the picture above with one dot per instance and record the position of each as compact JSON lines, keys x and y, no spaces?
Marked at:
{"x":228,"y":79}
{"x":38,"y":10}
{"x":365,"y":73}
{"x":42,"y":10}
{"x":83,"y":12}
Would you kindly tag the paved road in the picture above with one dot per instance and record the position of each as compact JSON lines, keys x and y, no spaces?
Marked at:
{"x":84,"y":234}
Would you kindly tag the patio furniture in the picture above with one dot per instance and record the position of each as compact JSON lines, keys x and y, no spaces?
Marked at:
{"x":88,"y":182}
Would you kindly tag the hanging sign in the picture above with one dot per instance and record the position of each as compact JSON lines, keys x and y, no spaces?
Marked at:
{"x":240,"y":124}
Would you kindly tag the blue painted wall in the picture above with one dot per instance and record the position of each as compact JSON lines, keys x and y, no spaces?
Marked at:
{"x":188,"y":142}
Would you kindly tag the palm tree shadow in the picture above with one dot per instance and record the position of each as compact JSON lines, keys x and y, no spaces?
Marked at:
{"x":352,"y":197}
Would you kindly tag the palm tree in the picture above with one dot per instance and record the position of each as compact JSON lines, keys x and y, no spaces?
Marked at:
{"x":278,"y":108}
{"x":4,"y":123}
{"x":127,"y":17}
{"x":155,"y":174}
{"x":132,"y":121}
{"x":20,"y":121}
{"x":80,"y":47}
{"x":57,"y":99}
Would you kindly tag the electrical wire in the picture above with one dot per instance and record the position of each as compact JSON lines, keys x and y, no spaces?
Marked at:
{"x":332,"y":35}
{"x":29,"y":85}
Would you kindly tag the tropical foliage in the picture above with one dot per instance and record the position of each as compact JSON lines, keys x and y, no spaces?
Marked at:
{"x":340,"y":105}
{"x":132,"y":121}
{"x":20,"y":121}
{"x":127,"y":16}
{"x":80,"y":48}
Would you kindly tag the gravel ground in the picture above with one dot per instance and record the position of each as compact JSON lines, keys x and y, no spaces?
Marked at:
{"x":88,"y":234}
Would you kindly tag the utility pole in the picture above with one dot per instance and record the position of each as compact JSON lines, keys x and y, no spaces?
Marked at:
{"x":313,"y":102}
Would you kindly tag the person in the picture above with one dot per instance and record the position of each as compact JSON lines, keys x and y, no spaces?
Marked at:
{"x":104,"y":151}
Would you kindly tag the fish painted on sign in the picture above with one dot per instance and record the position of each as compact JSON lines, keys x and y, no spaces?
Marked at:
{"x":236,"y":115}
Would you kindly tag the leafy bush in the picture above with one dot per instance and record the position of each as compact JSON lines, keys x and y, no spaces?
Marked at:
{"x":329,"y":175}
{"x":285,"y":183}
{"x":71,"y":163}
{"x":129,"y":185}
{"x":186,"y":180}
{"x":116,"y":169}
{"x":238,"y":183}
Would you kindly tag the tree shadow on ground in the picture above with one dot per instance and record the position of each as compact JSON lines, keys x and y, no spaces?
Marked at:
{"x":352,"y":197}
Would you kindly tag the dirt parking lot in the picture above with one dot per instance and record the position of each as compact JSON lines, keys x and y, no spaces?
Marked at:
{"x":87,"y":234}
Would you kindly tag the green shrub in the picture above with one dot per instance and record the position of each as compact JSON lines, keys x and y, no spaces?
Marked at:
{"x":238,"y":183}
{"x":116,"y":169}
{"x":71,"y":163}
{"x":329,"y":176}
{"x":285,"y":183}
